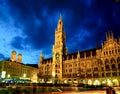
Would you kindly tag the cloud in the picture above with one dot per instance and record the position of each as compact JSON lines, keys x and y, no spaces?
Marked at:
{"x":17,"y":42}
{"x":29,"y":25}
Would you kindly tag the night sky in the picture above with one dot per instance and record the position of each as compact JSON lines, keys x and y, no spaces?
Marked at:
{"x":28,"y":26}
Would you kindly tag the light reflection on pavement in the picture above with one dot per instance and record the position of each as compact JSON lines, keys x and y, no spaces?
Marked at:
{"x":117,"y":91}
{"x":84,"y":92}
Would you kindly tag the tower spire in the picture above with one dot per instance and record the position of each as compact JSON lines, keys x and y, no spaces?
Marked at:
{"x":60,"y":26}
{"x":60,"y":16}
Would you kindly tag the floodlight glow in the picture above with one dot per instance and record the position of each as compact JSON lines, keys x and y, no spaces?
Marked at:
{"x":90,"y":82}
{"x":24,"y":75}
{"x":3,"y":74}
{"x":53,"y":73}
{"x":8,"y":76}
{"x":96,"y":82}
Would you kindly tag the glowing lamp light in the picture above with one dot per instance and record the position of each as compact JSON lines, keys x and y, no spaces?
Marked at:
{"x":96,"y":82}
{"x":8,"y":76}
{"x":90,"y":82}
{"x":109,"y":82}
{"x":53,"y":73}
{"x":65,"y":81}
{"x":24,"y":75}
{"x":3,"y":74}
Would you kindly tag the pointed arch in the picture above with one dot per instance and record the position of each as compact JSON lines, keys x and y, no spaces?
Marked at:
{"x":107,"y":67}
{"x":118,"y":60}
{"x":106,"y":61}
{"x":113,"y":67}
{"x":112,"y":60}
{"x":100,"y":62}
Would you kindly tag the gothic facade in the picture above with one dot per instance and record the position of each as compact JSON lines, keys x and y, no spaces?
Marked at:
{"x":94,"y":66}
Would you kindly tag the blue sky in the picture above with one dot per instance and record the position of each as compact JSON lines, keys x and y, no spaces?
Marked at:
{"x":28,"y":26}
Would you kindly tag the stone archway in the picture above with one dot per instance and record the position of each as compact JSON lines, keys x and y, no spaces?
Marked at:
{"x":112,"y":60}
{"x":89,"y":82}
{"x":106,"y":61}
{"x":96,"y":82}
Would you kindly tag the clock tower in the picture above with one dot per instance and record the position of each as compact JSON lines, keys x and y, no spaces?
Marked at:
{"x":59,"y":50}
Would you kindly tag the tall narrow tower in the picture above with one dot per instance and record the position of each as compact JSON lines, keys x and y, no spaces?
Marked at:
{"x":13,"y":56}
{"x":19,"y":58}
{"x":59,"y":49}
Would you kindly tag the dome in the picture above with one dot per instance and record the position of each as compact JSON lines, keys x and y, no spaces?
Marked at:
{"x":13,"y":51}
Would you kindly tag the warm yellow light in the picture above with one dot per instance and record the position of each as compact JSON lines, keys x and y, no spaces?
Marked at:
{"x":115,"y":80}
{"x":53,"y":73}
{"x":24,"y":75}
{"x":96,"y":82}
{"x":8,"y":76}
{"x":109,"y":82}
{"x":3,"y":74}
{"x":89,"y":82}
{"x":65,"y":81}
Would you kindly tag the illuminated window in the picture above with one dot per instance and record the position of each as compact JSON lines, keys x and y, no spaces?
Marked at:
{"x":112,"y":60}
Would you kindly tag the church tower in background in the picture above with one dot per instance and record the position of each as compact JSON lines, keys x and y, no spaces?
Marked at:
{"x":59,"y":49}
{"x":13,"y":56}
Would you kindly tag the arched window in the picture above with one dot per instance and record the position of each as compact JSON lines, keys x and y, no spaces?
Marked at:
{"x":113,"y":67}
{"x":100,"y":62}
{"x":118,"y":60}
{"x":112,"y":60}
{"x":106,"y":61}
{"x":107,"y":67}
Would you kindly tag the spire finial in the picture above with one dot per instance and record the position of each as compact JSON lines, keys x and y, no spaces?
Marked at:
{"x":60,"y":15}
{"x":112,"y":34}
{"x":40,"y":53}
{"x":106,"y":36}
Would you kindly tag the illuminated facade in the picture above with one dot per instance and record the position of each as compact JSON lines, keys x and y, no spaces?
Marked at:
{"x":94,"y":66}
{"x":14,"y":69}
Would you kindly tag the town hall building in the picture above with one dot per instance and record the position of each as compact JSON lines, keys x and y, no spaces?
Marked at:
{"x":93,"y":66}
